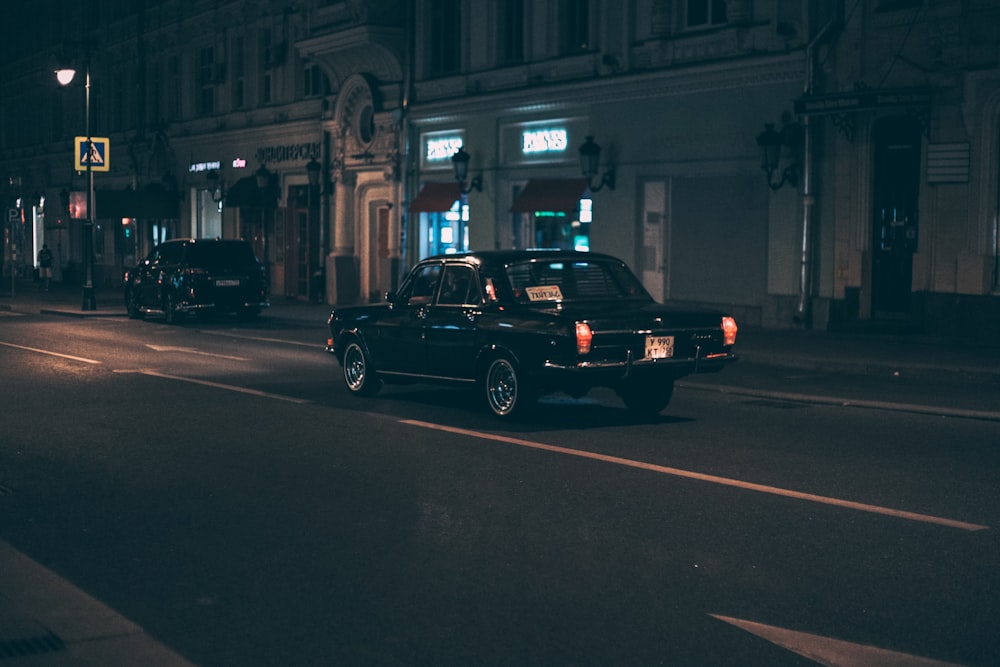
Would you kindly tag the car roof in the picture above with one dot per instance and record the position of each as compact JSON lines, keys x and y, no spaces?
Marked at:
{"x":511,"y":256}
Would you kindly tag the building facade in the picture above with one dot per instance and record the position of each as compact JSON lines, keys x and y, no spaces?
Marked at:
{"x":326,"y":133}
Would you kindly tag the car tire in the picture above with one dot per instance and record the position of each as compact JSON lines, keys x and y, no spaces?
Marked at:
{"x":506,"y":395}
{"x":170,"y":312}
{"x":647,"y":398}
{"x":132,"y":305}
{"x":359,"y":376}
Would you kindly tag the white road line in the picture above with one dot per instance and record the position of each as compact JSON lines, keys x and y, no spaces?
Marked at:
{"x":51,"y":353}
{"x":262,"y":339}
{"x":191,"y":350}
{"x":713,"y":479}
{"x":218,"y":385}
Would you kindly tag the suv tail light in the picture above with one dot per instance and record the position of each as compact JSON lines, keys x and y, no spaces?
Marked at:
{"x":729,"y":330}
{"x":584,"y":338}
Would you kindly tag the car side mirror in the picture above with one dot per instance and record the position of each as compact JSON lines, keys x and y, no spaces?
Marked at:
{"x":391,"y":297}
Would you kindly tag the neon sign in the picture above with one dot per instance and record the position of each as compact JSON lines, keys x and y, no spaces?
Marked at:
{"x":442,"y":148}
{"x":554,"y":140}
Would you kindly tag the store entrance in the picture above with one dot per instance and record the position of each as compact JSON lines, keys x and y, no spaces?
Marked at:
{"x":894,"y":224}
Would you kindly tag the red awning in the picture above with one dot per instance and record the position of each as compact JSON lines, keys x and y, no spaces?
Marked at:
{"x":550,"y":194}
{"x":436,"y":197}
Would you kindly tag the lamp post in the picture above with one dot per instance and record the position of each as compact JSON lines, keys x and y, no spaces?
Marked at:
{"x":263,"y":177}
{"x":65,"y":77}
{"x":313,"y":170}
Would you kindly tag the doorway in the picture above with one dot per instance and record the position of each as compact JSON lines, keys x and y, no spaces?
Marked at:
{"x":895,"y":225}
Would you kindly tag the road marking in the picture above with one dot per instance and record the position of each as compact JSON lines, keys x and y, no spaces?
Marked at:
{"x":51,"y":353}
{"x":191,"y":350}
{"x":831,"y":652}
{"x":217,"y":385}
{"x":713,"y":479}
{"x":261,"y":339}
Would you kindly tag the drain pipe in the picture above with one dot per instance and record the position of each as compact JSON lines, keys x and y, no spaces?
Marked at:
{"x":802,"y":310}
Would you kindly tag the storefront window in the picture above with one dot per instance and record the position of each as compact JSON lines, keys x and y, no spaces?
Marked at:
{"x":554,"y":229}
{"x":445,"y":233}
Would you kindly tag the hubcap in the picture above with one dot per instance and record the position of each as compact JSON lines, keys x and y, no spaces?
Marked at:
{"x":354,"y":367}
{"x":501,"y":387}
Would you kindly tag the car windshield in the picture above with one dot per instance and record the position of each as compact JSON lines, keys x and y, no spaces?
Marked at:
{"x":556,"y":281}
{"x":221,"y":255}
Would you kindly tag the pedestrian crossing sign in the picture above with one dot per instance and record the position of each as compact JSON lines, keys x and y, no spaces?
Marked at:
{"x":98,"y":158}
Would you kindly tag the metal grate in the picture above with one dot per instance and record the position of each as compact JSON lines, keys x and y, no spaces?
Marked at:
{"x":19,"y":648}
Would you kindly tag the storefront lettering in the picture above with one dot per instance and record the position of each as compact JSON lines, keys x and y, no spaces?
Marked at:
{"x":288,"y":153}
{"x":544,"y":141}
{"x":442,"y":148}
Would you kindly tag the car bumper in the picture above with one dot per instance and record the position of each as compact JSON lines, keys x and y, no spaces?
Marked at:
{"x":186,"y":307}
{"x":622,"y":369}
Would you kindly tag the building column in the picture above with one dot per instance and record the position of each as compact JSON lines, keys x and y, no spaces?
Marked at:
{"x":342,"y":267}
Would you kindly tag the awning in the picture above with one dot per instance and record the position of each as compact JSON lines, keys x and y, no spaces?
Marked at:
{"x":153,"y":202}
{"x":244,"y":193}
{"x":436,"y":197}
{"x":550,"y":194}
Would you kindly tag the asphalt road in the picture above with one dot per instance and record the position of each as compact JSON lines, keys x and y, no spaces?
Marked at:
{"x":215,"y":485}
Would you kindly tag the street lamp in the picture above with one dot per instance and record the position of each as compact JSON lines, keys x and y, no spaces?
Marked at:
{"x":65,"y":77}
{"x":770,"y":142}
{"x":590,"y":162}
{"x":460,"y":161}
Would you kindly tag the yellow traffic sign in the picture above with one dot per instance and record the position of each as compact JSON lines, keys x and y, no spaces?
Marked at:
{"x":99,"y":154}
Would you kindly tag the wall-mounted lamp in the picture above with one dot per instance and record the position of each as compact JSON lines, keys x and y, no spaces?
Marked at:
{"x":216,"y":185}
{"x":313,"y":169}
{"x":590,"y":163}
{"x":460,"y":160}
{"x":263,"y":176}
{"x":770,"y":142}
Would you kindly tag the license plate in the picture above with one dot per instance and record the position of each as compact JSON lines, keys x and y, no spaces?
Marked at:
{"x":659,"y":347}
{"x":227,"y":282}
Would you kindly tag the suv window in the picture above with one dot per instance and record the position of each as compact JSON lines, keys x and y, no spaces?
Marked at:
{"x":220,"y":255}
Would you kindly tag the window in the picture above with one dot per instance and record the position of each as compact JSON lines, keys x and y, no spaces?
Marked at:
{"x":705,"y":13}
{"x":574,"y":26}
{"x":459,"y":287}
{"x":174,"y":95}
{"x":206,"y":81}
{"x":238,"y":87}
{"x":444,"y":37}
{"x":314,"y":83}
{"x":510,"y":41}
{"x":423,"y":286}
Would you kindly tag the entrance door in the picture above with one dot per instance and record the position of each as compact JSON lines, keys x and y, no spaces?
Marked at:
{"x":894,"y":224}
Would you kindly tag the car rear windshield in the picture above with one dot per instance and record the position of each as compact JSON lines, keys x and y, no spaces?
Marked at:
{"x":549,"y":281}
{"x":221,"y":255}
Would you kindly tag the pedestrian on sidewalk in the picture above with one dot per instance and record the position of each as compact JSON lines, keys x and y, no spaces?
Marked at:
{"x":45,"y":267}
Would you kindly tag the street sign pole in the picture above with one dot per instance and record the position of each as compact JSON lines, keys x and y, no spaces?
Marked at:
{"x":89,"y":301}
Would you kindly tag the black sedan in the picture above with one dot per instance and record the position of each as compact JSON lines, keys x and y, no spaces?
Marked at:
{"x":183,"y":276}
{"x":518,"y":324}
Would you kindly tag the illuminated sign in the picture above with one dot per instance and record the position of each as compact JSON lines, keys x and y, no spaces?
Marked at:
{"x":442,"y":148}
{"x":551,"y":140}
{"x":204,"y":166}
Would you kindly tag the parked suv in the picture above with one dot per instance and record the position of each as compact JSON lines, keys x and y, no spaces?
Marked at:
{"x":184,"y":276}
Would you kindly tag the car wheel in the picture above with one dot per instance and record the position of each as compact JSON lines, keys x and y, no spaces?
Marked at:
{"x":132,"y":305}
{"x":506,"y":395}
{"x":170,"y":312}
{"x":358,"y":373}
{"x":647,"y":397}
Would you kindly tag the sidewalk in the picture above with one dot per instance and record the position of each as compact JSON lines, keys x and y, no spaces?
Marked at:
{"x":928,"y":358}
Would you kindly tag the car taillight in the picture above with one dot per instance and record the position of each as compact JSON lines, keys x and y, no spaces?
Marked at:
{"x":584,"y":337}
{"x":729,"y":330}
